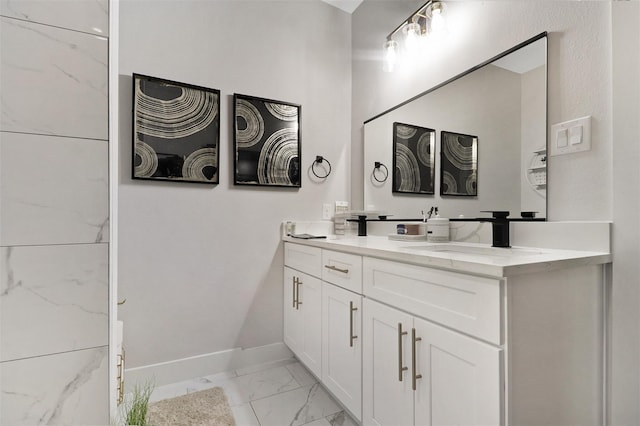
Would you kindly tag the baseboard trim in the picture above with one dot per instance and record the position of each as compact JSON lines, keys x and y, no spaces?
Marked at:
{"x":203,"y":365}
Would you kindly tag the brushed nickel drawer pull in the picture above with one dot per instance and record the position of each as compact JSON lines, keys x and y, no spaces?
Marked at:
{"x":352,"y":309}
{"x":400,"y":367}
{"x":415,"y":376}
{"x":335,"y":268}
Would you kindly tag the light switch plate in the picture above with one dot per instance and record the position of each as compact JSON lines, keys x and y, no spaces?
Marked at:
{"x":571,"y":136}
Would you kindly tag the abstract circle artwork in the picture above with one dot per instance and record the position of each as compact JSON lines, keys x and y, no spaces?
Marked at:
{"x":459,"y":164}
{"x":267,"y":142}
{"x":413,"y":159}
{"x":176,"y":131}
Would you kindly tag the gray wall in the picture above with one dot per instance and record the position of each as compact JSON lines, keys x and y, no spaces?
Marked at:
{"x":54,"y":224}
{"x":201,"y":266}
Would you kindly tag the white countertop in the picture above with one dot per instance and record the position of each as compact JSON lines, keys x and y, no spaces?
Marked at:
{"x":480,"y":259}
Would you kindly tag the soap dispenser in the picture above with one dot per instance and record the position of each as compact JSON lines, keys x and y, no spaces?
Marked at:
{"x":438,"y":229}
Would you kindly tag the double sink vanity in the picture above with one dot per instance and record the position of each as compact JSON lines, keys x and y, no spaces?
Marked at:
{"x":459,"y":333}
{"x":405,"y":333}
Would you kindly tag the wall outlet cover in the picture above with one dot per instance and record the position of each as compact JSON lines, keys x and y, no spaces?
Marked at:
{"x":326,"y":211}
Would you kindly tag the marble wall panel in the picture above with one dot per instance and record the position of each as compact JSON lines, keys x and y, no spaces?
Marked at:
{"x":62,"y":389}
{"x":53,"y":299}
{"x":91,"y":16}
{"x":54,"y":81}
{"x":53,"y":190}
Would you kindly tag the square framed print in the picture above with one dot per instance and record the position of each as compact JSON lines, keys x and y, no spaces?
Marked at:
{"x":176,"y":131}
{"x":413,"y":159}
{"x":458,"y":164}
{"x":266,"y":141}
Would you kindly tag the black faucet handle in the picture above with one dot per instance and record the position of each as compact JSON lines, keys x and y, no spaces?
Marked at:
{"x":498,"y":214}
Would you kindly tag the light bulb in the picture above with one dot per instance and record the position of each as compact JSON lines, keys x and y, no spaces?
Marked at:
{"x":438,"y":26}
{"x":412,"y":36}
{"x":391,"y":55}
{"x":437,"y":22}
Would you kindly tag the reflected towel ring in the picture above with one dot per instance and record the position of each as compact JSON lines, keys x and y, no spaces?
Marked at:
{"x":319,"y":160}
{"x":376,"y":166}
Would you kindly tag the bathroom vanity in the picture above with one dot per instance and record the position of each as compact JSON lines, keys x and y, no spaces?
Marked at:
{"x":405,"y":333}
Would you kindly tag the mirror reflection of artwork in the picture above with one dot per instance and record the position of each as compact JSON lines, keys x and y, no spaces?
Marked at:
{"x":267,"y":142}
{"x":413,"y":159}
{"x":459,"y":164}
{"x":176,"y":131}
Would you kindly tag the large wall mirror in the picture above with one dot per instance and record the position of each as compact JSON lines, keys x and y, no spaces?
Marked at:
{"x":490,"y":144}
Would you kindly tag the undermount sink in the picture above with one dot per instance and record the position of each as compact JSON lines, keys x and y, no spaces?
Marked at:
{"x":478,"y":250}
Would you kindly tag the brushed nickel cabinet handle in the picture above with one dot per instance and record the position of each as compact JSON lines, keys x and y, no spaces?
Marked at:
{"x":293,"y":291}
{"x":415,"y":376}
{"x":335,"y":268}
{"x":400,"y":367}
{"x":298,"y":302}
{"x":352,"y":309}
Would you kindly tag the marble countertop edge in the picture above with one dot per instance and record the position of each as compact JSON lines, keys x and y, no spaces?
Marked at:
{"x":486,"y":265}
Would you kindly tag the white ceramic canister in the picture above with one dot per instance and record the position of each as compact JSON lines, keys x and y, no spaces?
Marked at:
{"x":438,"y":230}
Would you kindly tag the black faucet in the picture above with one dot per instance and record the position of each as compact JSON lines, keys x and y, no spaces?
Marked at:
{"x":500,"y":228}
{"x":500,"y":222}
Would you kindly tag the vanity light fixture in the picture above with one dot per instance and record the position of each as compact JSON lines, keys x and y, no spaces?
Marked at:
{"x":422,"y":23}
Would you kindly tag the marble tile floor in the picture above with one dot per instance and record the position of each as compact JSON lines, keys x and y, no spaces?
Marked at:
{"x":273,"y":394}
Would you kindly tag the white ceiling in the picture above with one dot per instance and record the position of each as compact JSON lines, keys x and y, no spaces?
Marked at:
{"x":346,"y":5}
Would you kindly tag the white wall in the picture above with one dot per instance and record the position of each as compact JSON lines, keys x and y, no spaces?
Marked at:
{"x":625,"y":360}
{"x":201,"y":266}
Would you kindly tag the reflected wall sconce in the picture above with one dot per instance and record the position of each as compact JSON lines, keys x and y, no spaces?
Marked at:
{"x":378,"y":170}
{"x":318,"y":161}
{"x":426,"y":22}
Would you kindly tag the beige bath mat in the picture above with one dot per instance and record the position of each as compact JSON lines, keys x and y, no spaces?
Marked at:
{"x":204,"y":408}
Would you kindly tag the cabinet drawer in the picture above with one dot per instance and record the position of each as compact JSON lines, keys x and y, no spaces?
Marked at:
{"x":303,"y":258}
{"x":462,"y":302}
{"x":342,"y":269}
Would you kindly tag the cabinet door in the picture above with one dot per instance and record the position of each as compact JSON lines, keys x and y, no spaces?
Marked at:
{"x":293,"y":326}
{"x":309,"y":302}
{"x":386,"y":380}
{"x":342,"y":346}
{"x":461,"y":380}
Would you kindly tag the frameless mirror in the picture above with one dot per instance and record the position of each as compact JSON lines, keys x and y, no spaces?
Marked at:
{"x":490,"y":142}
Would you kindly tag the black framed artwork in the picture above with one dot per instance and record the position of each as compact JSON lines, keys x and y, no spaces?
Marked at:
{"x":176,"y":131}
{"x":266,"y":142}
{"x":458,"y":164}
{"x":413,"y":159}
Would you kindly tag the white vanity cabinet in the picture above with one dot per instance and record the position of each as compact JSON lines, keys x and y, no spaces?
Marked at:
{"x":323,"y":318}
{"x":436,"y":374}
{"x":342,"y":346}
{"x":342,"y":328}
{"x":444,"y":338}
{"x":416,"y":372}
{"x":302,"y":305}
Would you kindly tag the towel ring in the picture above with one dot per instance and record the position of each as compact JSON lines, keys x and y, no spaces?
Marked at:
{"x":376,"y":166}
{"x":319,"y":160}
